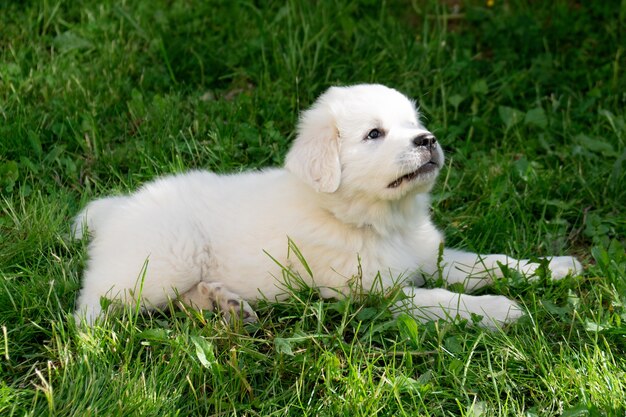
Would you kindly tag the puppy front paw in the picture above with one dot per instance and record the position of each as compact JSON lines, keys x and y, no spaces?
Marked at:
{"x":496,"y":310}
{"x":562,"y":266}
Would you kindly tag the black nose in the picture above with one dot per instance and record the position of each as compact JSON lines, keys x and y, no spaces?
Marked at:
{"x":425,"y":139}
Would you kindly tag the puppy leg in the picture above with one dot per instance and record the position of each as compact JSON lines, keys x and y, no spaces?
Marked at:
{"x":212,"y":295}
{"x":432,"y":304}
{"x":475,"y":271}
{"x":88,"y":309}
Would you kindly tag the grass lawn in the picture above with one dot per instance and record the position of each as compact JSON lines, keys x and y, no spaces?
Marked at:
{"x":527,"y":98}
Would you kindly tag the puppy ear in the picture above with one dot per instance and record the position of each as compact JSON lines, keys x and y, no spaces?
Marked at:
{"x":314,"y":155}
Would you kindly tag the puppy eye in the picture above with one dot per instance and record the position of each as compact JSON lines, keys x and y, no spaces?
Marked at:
{"x":374,"y":134}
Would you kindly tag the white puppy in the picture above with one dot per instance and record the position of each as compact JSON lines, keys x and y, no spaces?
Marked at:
{"x":353,"y":198}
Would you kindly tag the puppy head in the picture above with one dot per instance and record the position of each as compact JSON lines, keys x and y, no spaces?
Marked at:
{"x":365,"y":139}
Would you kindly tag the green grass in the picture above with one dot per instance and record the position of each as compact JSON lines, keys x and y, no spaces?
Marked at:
{"x":528,"y":99}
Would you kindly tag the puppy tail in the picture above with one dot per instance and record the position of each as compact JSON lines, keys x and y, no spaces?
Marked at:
{"x":92,"y":216}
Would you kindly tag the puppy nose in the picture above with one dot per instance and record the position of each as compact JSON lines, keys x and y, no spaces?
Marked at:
{"x":425,"y":139}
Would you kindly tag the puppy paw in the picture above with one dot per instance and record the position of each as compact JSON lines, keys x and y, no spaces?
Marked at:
{"x":238,"y":309}
{"x":562,"y":266}
{"x":496,"y":311}
{"x":200,"y":297}
{"x":212,"y":295}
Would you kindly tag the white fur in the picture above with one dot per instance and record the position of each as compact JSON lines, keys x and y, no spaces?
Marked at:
{"x":333,"y":200}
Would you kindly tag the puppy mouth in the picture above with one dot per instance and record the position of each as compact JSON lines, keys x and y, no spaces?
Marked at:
{"x":427,"y":168}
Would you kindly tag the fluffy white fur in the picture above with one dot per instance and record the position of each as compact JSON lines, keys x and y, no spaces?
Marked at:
{"x":207,"y":238}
